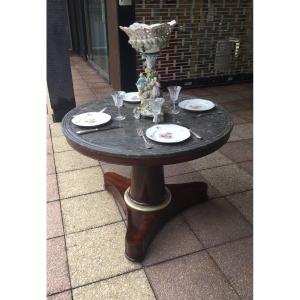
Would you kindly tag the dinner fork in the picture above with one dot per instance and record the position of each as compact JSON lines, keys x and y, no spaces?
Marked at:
{"x":140,"y":133}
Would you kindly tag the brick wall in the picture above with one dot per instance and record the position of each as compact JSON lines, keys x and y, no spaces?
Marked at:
{"x":213,"y":37}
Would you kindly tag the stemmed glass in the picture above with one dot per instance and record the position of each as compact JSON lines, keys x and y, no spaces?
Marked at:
{"x":174,"y":93}
{"x":118,"y":98}
{"x":156,"y":107}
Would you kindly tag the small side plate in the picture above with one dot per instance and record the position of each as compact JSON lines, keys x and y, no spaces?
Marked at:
{"x":132,"y":97}
{"x":196,"y":104}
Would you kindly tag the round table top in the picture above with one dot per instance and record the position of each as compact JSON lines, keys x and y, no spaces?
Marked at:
{"x":124,"y":146}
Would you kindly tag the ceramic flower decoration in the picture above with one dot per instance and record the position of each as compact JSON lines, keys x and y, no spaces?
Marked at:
{"x":148,"y":40}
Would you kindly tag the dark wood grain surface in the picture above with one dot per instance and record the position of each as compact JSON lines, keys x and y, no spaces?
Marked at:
{"x":124,"y":146}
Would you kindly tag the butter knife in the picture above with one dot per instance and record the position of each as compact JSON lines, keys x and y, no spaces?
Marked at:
{"x":191,"y":131}
{"x":96,"y":129}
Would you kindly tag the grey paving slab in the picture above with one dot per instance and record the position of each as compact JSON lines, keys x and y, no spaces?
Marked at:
{"x":244,"y":203}
{"x":79,"y":182}
{"x":190,"y":277}
{"x":228,"y":179}
{"x":97,"y":254}
{"x":57,"y":269}
{"x":89,"y":211}
{"x":60,"y":144}
{"x":247,"y":166}
{"x":175,"y":239}
{"x":61,"y":296}
{"x":133,"y":285}
{"x":212,"y":160}
{"x":56,"y":129}
{"x":177,"y":169}
{"x":194,"y":177}
{"x":244,"y":131}
{"x":54,"y":220}
{"x":216,"y":222}
{"x":50,"y":164}
{"x":52,"y":189}
{"x":238,"y":151}
{"x":236,"y":261}
{"x":72,"y":160}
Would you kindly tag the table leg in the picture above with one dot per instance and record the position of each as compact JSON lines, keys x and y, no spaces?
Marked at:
{"x":149,"y":204}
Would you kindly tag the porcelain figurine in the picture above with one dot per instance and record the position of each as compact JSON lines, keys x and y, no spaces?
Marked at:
{"x":141,"y":82}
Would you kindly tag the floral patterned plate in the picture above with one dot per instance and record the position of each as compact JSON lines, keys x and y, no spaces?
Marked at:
{"x":91,"y":119}
{"x":168,"y":133}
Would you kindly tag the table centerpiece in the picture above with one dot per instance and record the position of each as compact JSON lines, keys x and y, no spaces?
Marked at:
{"x":148,"y":40}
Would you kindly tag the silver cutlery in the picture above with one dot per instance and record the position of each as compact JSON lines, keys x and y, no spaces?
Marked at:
{"x":208,"y":114}
{"x":191,"y":131}
{"x":140,"y":133}
{"x":96,"y":129}
{"x":102,"y":110}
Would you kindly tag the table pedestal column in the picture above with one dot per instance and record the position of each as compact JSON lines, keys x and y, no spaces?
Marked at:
{"x":148,"y":204}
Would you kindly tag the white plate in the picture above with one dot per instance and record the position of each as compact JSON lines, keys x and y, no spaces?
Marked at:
{"x":168,"y":133}
{"x":196,"y":104}
{"x":91,"y":119}
{"x":147,"y":114}
{"x":132,"y":97}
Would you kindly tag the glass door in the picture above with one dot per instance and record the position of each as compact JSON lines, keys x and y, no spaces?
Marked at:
{"x":97,"y":36}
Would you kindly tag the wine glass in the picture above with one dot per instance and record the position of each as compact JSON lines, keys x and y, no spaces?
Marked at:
{"x":156,"y":107}
{"x":174,"y":93}
{"x":118,"y":98}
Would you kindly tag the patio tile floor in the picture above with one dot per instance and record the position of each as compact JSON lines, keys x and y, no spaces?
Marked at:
{"x":175,"y":239}
{"x":49,"y":146}
{"x":245,"y":114}
{"x":56,"y":130}
{"x":61,"y":296}
{"x":244,"y":131}
{"x":134,"y":285}
{"x":194,"y":176}
{"x":248,"y":166}
{"x":57,"y":267}
{"x":79,"y":182}
{"x":60,"y":144}
{"x":238,"y":151}
{"x":52,"y":190}
{"x":244,"y":203}
{"x":239,"y":120}
{"x":235,"y":260}
{"x":216,"y":222}
{"x":50,"y":164}
{"x":204,"y":253}
{"x":89,"y":211}
{"x":97,"y":254}
{"x":54,"y":220}
{"x":178,"y":169}
{"x":190,"y":277}
{"x":72,"y":160}
{"x":228,"y":179}
{"x":215,"y":159}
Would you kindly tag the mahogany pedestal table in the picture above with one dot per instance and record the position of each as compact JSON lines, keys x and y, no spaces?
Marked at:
{"x":145,"y":198}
